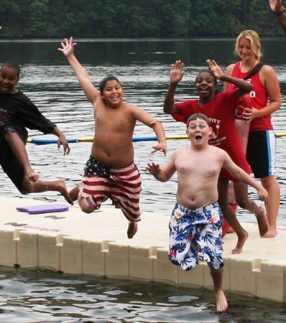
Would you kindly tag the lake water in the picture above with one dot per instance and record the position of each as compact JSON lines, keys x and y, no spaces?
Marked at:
{"x":143,"y":68}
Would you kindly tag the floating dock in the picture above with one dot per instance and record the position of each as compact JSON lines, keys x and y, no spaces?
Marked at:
{"x":73,"y":242}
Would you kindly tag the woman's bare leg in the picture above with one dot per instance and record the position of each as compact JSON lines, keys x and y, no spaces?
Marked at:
{"x":272,"y":186}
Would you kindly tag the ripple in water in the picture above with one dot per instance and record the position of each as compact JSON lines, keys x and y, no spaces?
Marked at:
{"x":47,"y":296}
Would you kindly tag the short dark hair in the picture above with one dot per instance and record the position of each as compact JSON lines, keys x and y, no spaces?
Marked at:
{"x":12,"y":65}
{"x":196,"y":116}
{"x":103,"y":82}
{"x":206,"y":71}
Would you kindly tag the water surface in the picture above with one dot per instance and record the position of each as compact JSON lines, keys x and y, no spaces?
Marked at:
{"x":45,"y":296}
{"x":143,"y":68}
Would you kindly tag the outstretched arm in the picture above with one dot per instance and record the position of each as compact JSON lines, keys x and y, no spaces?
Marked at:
{"x":277,"y":7}
{"x":243,"y":86}
{"x":67,"y":48}
{"x":239,"y":174}
{"x":176,"y":74}
{"x":160,"y":134}
{"x":162,"y":174}
{"x":146,"y":118}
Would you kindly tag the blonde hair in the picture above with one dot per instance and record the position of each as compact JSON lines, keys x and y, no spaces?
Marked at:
{"x":254,"y":40}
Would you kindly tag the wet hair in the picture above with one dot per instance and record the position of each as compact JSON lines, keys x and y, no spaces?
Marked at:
{"x":14,"y":66}
{"x":103,"y":82}
{"x":196,"y":116}
{"x":254,"y":40}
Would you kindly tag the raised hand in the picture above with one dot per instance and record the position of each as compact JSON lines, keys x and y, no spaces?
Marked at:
{"x":67,"y":46}
{"x":215,"y":68}
{"x":177,"y":72}
{"x":275,"y":5}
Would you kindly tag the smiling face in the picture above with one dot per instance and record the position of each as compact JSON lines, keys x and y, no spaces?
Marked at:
{"x":9,"y":78}
{"x":248,"y":46}
{"x":199,"y":132}
{"x":245,"y":50}
{"x":112,"y":93}
{"x":206,"y":85}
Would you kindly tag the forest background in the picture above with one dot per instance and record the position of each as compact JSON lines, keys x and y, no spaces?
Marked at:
{"x":32,"y":19}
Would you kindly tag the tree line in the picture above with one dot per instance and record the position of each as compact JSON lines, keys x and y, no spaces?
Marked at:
{"x":134,"y":18}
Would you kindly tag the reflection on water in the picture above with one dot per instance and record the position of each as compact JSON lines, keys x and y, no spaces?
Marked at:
{"x":44,"y":296}
{"x":143,"y":68}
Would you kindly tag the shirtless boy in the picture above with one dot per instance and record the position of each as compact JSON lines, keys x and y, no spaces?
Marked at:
{"x":220,"y":109}
{"x":197,"y":212}
{"x":110,"y":172}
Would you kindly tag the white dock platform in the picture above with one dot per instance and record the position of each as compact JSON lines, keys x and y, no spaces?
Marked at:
{"x":96,"y":244}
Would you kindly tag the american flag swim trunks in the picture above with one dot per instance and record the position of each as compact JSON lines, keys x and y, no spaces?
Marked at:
{"x":122,"y":186}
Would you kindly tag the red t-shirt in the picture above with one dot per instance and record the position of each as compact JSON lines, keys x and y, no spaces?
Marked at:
{"x":220,"y":111}
{"x":258,"y":97}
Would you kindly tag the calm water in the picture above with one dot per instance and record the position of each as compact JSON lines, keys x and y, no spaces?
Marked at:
{"x":143,"y":68}
{"x":43,"y":296}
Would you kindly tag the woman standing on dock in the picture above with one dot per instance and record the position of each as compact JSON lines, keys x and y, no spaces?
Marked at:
{"x":265,"y":100}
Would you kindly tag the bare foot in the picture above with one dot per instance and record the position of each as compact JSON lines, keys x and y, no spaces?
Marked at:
{"x":271,"y":233}
{"x":240,"y":243}
{"x":63,"y":190}
{"x":221,"y":302}
{"x":262,"y":222}
{"x":32,"y":176}
{"x":132,"y":229}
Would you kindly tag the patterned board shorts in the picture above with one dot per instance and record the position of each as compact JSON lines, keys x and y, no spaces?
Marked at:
{"x":196,"y":235}
{"x":122,"y":186}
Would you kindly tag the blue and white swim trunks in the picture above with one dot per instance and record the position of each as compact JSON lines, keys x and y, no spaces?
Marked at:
{"x":196,"y":235}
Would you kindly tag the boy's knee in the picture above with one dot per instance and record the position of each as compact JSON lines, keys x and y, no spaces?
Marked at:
{"x":85,"y":206}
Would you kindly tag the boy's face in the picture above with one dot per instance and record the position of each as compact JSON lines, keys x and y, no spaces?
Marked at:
{"x":199,"y":132}
{"x":8,"y":80}
{"x":112,"y":93}
{"x":205,"y":85}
